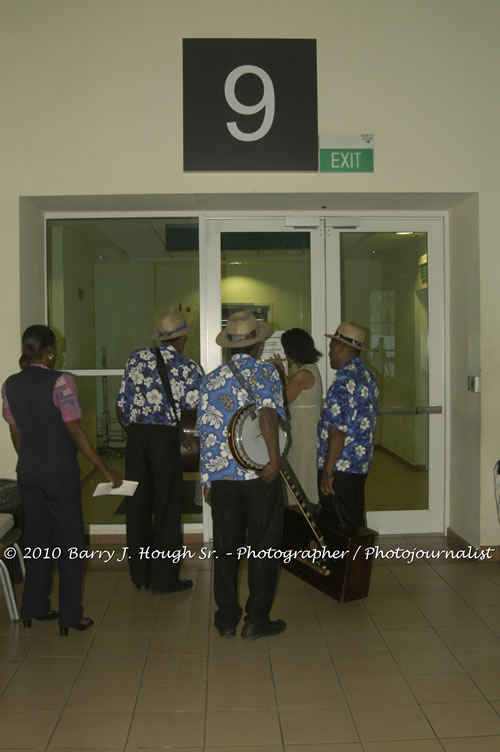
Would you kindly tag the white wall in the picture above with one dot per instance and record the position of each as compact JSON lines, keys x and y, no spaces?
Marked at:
{"x":464,"y":406}
{"x":92,"y":103}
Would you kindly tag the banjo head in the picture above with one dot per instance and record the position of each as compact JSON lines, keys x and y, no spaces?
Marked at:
{"x":246,"y":442}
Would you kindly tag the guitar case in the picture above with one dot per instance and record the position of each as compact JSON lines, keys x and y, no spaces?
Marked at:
{"x":189,"y":442}
{"x":346,"y":576}
{"x":348,"y":565}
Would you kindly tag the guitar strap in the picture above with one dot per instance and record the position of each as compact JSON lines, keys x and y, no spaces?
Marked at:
{"x":239,"y":377}
{"x":162,"y":370}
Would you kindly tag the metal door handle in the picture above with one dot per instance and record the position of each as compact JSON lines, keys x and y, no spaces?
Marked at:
{"x":417,"y":410}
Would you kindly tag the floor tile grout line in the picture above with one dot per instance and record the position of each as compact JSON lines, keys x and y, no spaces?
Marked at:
{"x":431,"y":626}
{"x":332,"y":659}
{"x":273,"y":679}
{"x":403,"y":676}
{"x":93,"y":637}
{"x":316,"y":608}
{"x":457,"y":658}
{"x":209,"y":640}
{"x":140,"y":680}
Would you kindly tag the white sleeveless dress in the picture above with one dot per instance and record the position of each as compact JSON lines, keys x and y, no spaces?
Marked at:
{"x":304,"y":417}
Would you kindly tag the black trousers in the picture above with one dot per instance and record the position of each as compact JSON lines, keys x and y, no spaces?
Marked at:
{"x":348,"y":503}
{"x":245,"y":513}
{"x":53,"y":532}
{"x":153,"y":514}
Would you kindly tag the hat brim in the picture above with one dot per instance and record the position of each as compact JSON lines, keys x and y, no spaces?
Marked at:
{"x":263,"y":331}
{"x":182,"y":333}
{"x":347,"y":344}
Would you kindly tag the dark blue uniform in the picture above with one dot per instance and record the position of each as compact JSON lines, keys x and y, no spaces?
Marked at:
{"x":49,"y":483}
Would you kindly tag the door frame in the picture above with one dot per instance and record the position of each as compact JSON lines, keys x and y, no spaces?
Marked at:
{"x":211,"y":296}
{"x":433,"y":519}
{"x":35,"y":296}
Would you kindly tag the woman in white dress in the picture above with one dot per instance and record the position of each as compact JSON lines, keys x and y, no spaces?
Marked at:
{"x":304,"y":391}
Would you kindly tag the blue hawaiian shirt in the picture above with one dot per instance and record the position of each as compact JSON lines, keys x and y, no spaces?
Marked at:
{"x":221,"y":395}
{"x":142,"y":397}
{"x":351,"y":405}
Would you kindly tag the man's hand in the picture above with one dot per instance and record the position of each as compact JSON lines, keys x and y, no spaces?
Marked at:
{"x":326,"y":486}
{"x":270,"y":472}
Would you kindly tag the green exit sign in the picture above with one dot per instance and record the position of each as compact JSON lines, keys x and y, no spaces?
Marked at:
{"x":346,"y":153}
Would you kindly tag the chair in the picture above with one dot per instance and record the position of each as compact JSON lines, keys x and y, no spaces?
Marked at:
{"x":9,"y":535}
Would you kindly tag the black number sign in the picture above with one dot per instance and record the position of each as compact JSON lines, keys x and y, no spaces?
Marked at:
{"x":250,"y":104}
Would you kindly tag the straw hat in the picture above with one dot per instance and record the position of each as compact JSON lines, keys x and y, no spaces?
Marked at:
{"x":171,"y":324}
{"x":350,"y":335}
{"x":242,"y":330}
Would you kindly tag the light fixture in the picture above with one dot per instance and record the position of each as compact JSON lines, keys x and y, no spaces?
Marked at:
{"x":403,"y":233}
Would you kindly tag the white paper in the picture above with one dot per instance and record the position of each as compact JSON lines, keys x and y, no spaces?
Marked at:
{"x":272,"y":346}
{"x":127,"y":488}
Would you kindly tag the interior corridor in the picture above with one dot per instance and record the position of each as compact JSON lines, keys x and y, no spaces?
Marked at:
{"x":412,"y":668}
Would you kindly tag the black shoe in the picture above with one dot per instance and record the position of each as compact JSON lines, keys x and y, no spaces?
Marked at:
{"x":253,"y":630}
{"x":49,"y":616}
{"x":177,"y":587}
{"x":81,"y":626}
{"x":225,"y":630}
{"x":142,"y":588}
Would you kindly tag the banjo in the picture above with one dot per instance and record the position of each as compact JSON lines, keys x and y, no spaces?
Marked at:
{"x":249,"y":449}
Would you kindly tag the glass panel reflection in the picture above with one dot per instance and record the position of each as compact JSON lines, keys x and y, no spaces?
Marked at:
{"x":268,"y":273}
{"x":384,"y":289}
{"x":107,"y":281}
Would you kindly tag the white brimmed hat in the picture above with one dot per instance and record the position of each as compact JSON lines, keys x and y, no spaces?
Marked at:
{"x":242,"y":330}
{"x":350,"y":335}
{"x":171,"y":324}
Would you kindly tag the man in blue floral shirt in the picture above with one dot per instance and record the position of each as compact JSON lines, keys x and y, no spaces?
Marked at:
{"x":346,"y":428}
{"x":247,"y":506}
{"x":153,"y":514}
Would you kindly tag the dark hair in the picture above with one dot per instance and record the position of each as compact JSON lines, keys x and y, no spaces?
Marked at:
{"x":36,"y":339}
{"x":299,"y":345}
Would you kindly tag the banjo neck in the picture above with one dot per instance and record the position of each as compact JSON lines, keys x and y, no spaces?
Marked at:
{"x":300,"y":497}
{"x":246,"y":415}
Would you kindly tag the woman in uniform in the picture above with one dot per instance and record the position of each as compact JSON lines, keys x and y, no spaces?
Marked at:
{"x":41,"y":407}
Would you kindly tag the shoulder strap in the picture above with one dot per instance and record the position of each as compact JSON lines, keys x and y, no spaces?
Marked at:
{"x":162,"y":370}
{"x":239,"y":376}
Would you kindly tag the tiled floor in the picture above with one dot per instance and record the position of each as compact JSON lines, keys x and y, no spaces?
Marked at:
{"x":412,"y":668}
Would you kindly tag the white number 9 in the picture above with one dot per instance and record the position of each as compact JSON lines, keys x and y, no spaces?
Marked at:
{"x":267,"y":103}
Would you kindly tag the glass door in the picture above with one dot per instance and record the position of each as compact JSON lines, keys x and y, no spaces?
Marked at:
{"x":107,"y":279}
{"x":273,"y":267}
{"x":387,"y":276}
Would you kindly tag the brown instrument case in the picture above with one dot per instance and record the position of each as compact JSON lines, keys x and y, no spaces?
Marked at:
{"x":344,"y":573}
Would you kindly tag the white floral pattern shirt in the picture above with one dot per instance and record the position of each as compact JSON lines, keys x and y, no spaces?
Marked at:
{"x":351,"y":405}
{"x":142,"y":397}
{"x":221,"y":395}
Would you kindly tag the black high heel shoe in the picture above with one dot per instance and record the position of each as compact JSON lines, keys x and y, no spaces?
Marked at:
{"x":49,"y":616}
{"x":82,"y":625}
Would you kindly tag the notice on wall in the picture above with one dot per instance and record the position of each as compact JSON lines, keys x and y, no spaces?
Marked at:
{"x":272,"y":346}
{"x":346,"y":152}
